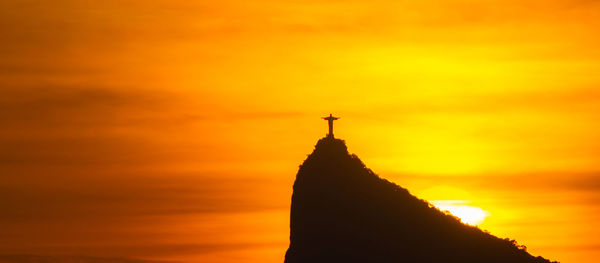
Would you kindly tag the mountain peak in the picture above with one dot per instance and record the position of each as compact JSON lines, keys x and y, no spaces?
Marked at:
{"x":343,"y":212}
{"x":331,"y":145}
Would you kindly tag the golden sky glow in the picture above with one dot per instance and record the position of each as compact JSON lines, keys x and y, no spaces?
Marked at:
{"x":173,"y":129}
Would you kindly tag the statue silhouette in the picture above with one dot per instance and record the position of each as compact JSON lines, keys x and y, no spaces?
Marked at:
{"x":330,"y":120}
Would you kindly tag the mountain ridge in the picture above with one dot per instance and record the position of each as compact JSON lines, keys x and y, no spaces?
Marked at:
{"x":343,"y":212}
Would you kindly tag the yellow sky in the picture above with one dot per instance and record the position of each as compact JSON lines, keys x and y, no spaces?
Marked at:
{"x":173,"y":129}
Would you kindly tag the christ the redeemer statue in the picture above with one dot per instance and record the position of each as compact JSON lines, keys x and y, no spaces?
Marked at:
{"x":330,"y":120}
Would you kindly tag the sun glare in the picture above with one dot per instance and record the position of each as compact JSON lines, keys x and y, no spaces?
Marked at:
{"x":471,"y":215}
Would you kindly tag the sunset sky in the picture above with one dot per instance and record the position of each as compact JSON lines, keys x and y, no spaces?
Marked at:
{"x":173,"y":129}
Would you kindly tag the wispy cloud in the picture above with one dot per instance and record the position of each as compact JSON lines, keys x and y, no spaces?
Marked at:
{"x":71,"y":259}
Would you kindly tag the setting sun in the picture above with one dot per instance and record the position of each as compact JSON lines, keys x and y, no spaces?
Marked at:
{"x":471,"y":215}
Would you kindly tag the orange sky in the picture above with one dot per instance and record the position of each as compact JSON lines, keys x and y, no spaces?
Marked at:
{"x":172,"y":130}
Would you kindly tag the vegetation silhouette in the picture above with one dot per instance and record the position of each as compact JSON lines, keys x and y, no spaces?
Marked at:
{"x":343,"y":212}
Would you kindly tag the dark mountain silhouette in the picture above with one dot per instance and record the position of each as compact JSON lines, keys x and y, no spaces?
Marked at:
{"x":343,"y":212}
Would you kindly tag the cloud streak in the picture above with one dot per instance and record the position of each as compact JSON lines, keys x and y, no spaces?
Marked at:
{"x":71,"y":259}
